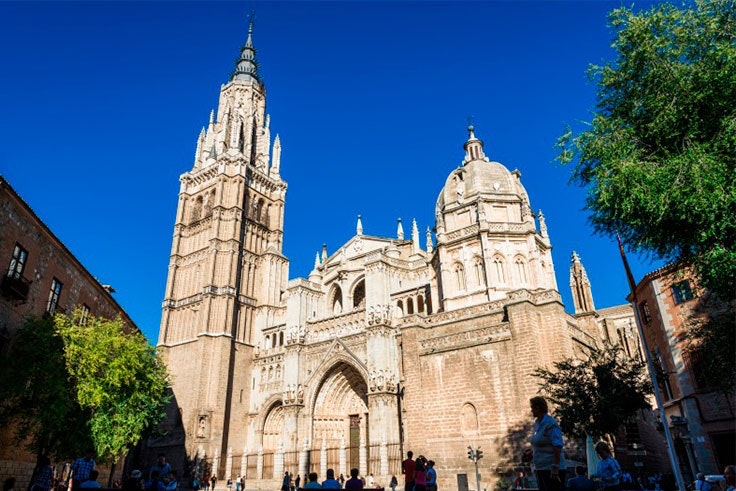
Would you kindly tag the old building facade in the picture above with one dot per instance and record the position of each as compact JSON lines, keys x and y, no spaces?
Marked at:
{"x":41,"y":277}
{"x":701,"y":419}
{"x":426,"y":342}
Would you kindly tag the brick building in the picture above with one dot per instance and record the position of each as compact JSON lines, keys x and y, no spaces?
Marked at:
{"x":424,"y":342}
{"x":40,"y":277}
{"x":702,"y":420}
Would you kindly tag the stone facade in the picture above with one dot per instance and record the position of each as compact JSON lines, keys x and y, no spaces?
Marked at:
{"x":387,"y":346}
{"x":41,"y":277}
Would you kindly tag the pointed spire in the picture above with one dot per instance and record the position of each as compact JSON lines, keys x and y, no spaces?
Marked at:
{"x":415,"y":236}
{"x":324,"y":253}
{"x":316,"y":260}
{"x":212,"y":117}
{"x":400,"y":231}
{"x":473,"y":147}
{"x":543,"y":226}
{"x":198,"y":151}
{"x":359,"y":227}
{"x":276,"y":157}
{"x":582,"y":294}
{"x":429,"y":240}
{"x":246,"y":67}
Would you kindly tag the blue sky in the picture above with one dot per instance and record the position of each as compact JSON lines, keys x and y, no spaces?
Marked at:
{"x":101,"y":104}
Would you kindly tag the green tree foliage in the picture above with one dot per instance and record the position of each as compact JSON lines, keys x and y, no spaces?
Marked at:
{"x":659,"y":158}
{"x":118,"y":377}
{"x":594,"y":396}
{"x":36,"y":395}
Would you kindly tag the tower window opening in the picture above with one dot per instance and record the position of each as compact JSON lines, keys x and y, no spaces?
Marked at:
{"x":498,"y":268}
{"x":400,"y":307}
{"x":460,"y":277}
{"x":409,"y":306}
{"x":420,"y":303}
{"x":521,"y":269}
{"x":281,"y":338}
{"x":359,"y":295}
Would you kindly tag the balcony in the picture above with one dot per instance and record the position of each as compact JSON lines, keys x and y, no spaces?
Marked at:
{"x":15,"y":287}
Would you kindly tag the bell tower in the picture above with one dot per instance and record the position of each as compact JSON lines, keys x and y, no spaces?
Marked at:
{"x":226,"y":271}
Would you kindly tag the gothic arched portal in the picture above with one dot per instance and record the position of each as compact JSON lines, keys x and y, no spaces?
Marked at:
{"x":272,"y":428}
{"x":340,"y":410}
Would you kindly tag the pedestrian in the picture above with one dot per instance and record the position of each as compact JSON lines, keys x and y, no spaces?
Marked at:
{"x":133,"y":483}
{"x":162,"y":467}
{"x":341,"y":479}
{"x":297,"y":481}
{"x":195,"y":484}
{"x":608,"y":471}
{"x":82,"y":468}
{"x":729,"y":478}
{"x":394,"y":482}
{"x":701,"y":484}
{"x":431,"y":476}
{"x":354,"y":482}
{"x":407,"y":468}
{"x":242,"y":483}
{"x":173,"y":481}
{"x":91,"y":483}
{"x":155,"y":483}
{"x":420,"y":475}
{"x":330,"y":482}
{"x":237,"y":483}
{"x":285,"y":483}
{"x":547,"y":443}
{"x":520,"y":481}
{"x":313,"y":483}
{"x":213,"y":481}
{"x":42,"y":475}
{"x":580,"y":482}
{"x":229,"y":484}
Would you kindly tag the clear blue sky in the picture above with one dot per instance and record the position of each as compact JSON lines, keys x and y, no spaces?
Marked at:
{"x":101,"y":104}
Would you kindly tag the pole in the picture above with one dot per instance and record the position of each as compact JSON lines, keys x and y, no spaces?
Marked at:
{"x":477,"y":475}
{"x":652,"y":374}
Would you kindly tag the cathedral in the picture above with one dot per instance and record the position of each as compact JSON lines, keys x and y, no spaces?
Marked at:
{"x":425,"y":342}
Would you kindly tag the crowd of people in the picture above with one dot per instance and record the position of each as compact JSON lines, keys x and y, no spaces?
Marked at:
{"x":551,"y":471}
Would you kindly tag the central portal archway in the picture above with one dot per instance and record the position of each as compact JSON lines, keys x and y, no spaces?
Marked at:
{"x":340,"y":416}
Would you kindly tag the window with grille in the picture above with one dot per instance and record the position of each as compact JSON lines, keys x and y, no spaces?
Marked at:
{"x":54,"y":295}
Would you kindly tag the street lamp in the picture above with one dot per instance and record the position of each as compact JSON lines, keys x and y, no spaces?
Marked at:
{"x":475,"y":454}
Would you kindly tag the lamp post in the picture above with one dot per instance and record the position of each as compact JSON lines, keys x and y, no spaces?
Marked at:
{"x":475,"y":454}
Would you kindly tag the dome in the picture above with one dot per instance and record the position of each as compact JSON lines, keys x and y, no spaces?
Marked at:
{"x":480,"y":176}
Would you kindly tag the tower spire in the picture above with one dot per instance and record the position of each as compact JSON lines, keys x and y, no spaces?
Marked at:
{"x":582,"y":294}
{"x":246,"y":68}
{"x":473,"y":147}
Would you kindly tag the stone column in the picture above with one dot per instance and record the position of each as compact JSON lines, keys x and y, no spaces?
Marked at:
{"x":216,"y":464}
{"x":229,"y":463}
{"x":303,"y":454}
{"x":259,"y":464}
{"x":244,"y":463}
{"x":278,"y":462}
{"x":343,"y":458}
{"x":323,"y":460}
{"x":363,"y":456}
{"x":384,"y":458}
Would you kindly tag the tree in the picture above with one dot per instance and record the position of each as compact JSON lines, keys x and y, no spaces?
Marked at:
{"x":71,"y":383}
{"x":117,"y":376}
{"x":594,"y":396}
{"x":36,"y":395}
{"x":659,"y":158}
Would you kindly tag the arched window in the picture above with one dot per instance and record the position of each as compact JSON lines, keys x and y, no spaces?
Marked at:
{"x":498,"y":269}
{"x":273,"y":341}
{"x":420,"y":303}
{"x":359,"y":295}
{"x":196,"y":209}
{"x":281,"y":338}
{"x":400,"y":308}
{"x":409,"y":306}
{"x":460,"y":276}
{"x":259,"y":210}
{"x":209,"y":204}
{"x":478,"y":270}
{"x":336,"y":301}
{"x":268,"y":341}
{"x":520,"y":268}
